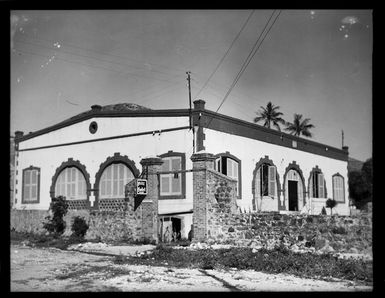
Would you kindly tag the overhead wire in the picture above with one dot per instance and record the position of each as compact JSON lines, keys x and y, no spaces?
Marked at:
{"x":225,"y":55}
{"x":247,"y":61}
{"x":98,"y":67}
{"x":95,"y":58}
{"x":105,"y":54}
{"x":250,"y":57}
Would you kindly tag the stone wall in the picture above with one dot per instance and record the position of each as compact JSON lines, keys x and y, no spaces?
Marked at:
{"x":221,"y":201}
{"x":120,"y":223}
{"x":103,"y":225}
{"x":308,"y":232}
{"x":217,"y":220}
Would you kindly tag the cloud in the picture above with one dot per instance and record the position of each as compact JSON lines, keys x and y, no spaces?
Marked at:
{"x":349,"y":20}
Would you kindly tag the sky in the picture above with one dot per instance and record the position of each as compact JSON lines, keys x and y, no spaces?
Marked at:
{"x":317,"y":63}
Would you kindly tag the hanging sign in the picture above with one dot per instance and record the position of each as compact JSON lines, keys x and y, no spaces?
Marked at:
{"x":141,"y":186}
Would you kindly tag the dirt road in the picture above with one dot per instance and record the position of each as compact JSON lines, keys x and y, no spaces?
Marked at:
{"x":53,"y":270}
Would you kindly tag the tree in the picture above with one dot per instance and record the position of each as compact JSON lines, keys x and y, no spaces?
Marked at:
{"x":330,"y":203}
{"x":270,"y":115}
{"x":361,"y":184}
{"x":299,"y":126}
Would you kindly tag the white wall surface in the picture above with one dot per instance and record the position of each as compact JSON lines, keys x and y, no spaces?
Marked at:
{"x":93,"y":154}
{"x":107,"y":127}
{"x":250,"y":151}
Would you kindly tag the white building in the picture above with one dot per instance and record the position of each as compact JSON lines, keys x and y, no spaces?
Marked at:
{"x":90,"y":157}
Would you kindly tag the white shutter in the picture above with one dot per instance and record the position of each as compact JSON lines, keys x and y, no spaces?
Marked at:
{"x":218,"y":165}
{"x":310,"y":194}
{"x":321,"y":188}
{"x":338,"y":190}
{"x":258,"y":183}
{"x":272,"y":180}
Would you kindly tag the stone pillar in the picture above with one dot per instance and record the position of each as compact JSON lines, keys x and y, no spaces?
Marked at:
{"x":201,"y":162}
{"x":150,"y":203}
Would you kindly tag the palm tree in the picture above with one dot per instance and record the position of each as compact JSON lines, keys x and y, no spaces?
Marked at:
{"x":270,"y":115}
{"x":299,"y":126}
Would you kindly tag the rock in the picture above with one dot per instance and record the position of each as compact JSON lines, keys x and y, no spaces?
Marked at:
{"x":327,"y":249}
{"x":319,"y":243}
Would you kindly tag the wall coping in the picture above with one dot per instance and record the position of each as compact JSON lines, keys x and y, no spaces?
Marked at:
{"x":221,"y":175}
{"x":202,"y":157}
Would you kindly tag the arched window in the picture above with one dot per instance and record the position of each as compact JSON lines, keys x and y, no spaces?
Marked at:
{"x":265,"y":183}
{"x":114,"y":178}
{"x":114,"y":173}
{"x":72,"y":181}
{"x":230,"y":166}
{"x":317,"y":184}
{"x":71,"y":184}
{"x":338,"y":188}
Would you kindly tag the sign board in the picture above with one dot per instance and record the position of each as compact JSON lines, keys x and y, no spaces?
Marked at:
{"x":141,"y":186}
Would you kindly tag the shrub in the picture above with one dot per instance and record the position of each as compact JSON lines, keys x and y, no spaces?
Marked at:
{"x":330,"y":203}
{"x":79,"y":227}
{"x":56,"y":224}
{"x":323,"y":211}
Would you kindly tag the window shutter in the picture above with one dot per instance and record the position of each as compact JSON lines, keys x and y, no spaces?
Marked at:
{"x":27,"y":179}
{"x":271,"y":177}
{"x":321,"y":188}
{"x":217,"y":165}
{"x":230,"y":168}
{"x":235,"y":170}
{"x":258,"y":183}
{"x":335,"y":188}
{"x":311,"y":186}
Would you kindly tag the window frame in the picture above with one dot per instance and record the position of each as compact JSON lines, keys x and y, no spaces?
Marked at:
{"x":66,"y":164}
{"x":37,"y":201}
{"x":267,"y":192}
{"x":169,"y":195}
{"x":227,"y":154}
{"x":112,"y":196}
{"x":343,"y":187}
{"x":311,"y":189}
{"x":75,"y":183}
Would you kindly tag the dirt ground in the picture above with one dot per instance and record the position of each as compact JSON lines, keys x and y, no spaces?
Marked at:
{"x":54,"y":270}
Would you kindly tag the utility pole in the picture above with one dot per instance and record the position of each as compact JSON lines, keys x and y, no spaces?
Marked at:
{"x":342,"y":138}
{"x":189,"y":94}
{"x":189,"y":97}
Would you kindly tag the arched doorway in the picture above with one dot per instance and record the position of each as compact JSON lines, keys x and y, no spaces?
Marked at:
{"x":294,"y":188}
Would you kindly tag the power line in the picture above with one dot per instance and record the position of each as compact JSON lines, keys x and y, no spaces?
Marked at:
{"x":248,"y":59}
{"x":103,"y":53}
{"x":224,"y":56}
{"x":89,"y":57}
{"x":99,"y":67}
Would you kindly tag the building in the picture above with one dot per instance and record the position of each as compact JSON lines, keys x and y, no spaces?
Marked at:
{"x":90,"y":157}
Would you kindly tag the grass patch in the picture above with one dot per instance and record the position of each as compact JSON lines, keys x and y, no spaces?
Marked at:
{"x":274,"y":261}
{"x":42,"y":240}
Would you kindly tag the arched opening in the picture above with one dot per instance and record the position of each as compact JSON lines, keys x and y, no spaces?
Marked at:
{"x":265,"y":186}
{"x":294,"y":188}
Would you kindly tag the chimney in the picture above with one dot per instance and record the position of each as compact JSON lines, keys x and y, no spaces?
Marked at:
{"x":18,"y":134}
{"x":96,"y":107}
{"x":199,"y":104}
